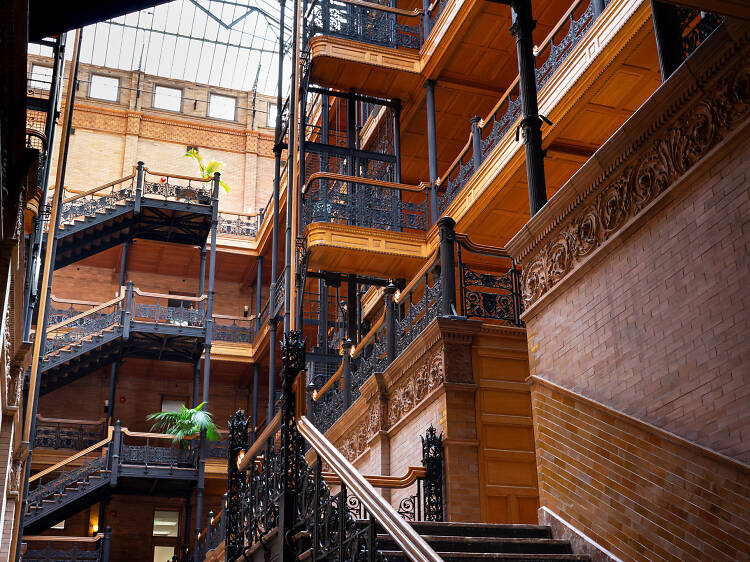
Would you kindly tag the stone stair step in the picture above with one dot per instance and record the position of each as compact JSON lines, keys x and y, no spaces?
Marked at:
{"x":488,"y":544}
{"x":482,"y":530}
{"x":398,"y":556}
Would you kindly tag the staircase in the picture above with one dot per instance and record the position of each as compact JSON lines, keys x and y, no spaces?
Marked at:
{"x":476,"y":542}
{"x":56,"y":500}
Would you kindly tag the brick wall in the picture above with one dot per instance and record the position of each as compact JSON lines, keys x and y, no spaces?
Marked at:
{"x":659,"y":329}
{"x":669,"y":499}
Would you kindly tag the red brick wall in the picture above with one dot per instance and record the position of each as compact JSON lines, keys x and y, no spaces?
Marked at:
{"x":672,"y":500}
{"x":659,"y":329}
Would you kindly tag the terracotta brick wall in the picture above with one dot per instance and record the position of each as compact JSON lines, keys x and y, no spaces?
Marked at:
{"x":660,"y":328}
{"x":673,"y":500}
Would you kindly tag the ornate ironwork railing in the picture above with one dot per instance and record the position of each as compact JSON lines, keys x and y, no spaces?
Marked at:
{"x":99,"y":199}
{"x":75,"y":329}
{"x":696,"y":26}
{"x":66,"y":479}
{"x":371,"y":203}
{"x":214,"y":533}
{"x":239,"y":224}
{"x":140,"y":451}
{"x":68,"y":434}
{"x":367,"y":22}
{"x":485,"y":135}
{"x":94,"y":548}
{"x":484,"y":290}
{"x":175,"y":310}
{"x":236,"y":329}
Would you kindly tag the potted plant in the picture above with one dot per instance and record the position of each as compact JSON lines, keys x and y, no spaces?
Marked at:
{"x":207,"y":168}
{"x":184,"y":423}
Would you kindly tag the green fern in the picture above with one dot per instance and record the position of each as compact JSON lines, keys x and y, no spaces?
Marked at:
{"x":207,"y":168}
{"x":185,"y":423}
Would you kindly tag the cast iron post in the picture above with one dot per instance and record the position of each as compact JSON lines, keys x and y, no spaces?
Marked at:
{"x":432,"y":148}
{"x":447,"y":266}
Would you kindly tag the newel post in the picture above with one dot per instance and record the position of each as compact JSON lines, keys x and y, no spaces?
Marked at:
{"x":433,"y":461}
{"x":234,"y":526}
{"x":476,"y":142}
{"x":446,"y":227}
{"x":105,"y":543}
{"x":139,"y":188}
{"x":390,"y":323}
{"x":128,"y":311}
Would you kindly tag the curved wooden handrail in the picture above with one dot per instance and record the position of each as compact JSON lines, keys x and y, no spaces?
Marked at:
{"x":56,"y":538}
{"x":78,"y":455}
{"x":72,"y":301}
{"x":405,"y":536}
{"x":499,"y":103}
{"x":329,"y":383}
{"x":455,"y":163}
{"x":95,"y":189}
{"x":237,"y":213}
{"x":418,"y":277}
{"x":38,"y":134}
{"x":245,"y":457}
{"x":70,"y":422}
{"x":366,"y":181}
{"x":176,"y":176}
{"x":86,"y":313}
{"x":126,"y":431}
{"x":481,"y":248}
{"x":170,"y":297}
{"x":392,"y":482}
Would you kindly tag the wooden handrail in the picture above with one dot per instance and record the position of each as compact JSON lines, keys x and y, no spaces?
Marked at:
{"x":54,"y":538}
{"x":379,"y":7}
{"x":558,"y":27}
{"x":86,"y":313}
{"x":366,"y":181}
{"x":176,"y":176}
{"x":170,"y":297}
{"x":244,"y":458}
{"x":227,"y":317}
{"x":237,"y":213}
{"x":126,"y":431}
{"x":392,"y":482}
{"x":95,"y":189}
{"x":418,"y":277}
{"x":455,"y":163}
{"x":499,"y":103}
{"x":329,"y":383}
{"x":481,"y":248}
{"x":71,"y":301}
{"x":405,"y":536}
{"x":78,"y":455}
{"x":364,"y":341}
{"x":71,"y":422}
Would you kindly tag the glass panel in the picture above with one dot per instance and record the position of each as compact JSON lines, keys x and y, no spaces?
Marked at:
{"x":166,"y":523}
{"x":41,"y":77}
{"x":60,"y":525}
{"x":163,"y":553}
{"x":104,"y":87}
{"x":167,"y":98}
{"x":171,"y":405}
{"x":221,"y":107}
{"x":271,"y":121}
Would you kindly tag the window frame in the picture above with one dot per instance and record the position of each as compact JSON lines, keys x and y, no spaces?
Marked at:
{"x":32,"y":84}
{"x":208,"y":106}
{"x":269,"y":105}
{"x":91,"y":84}
{"x":153,"y":98}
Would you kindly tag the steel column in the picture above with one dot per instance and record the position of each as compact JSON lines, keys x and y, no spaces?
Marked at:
{"x":531,"y":123}
{"x":396,"y":110}
{"x":258,"y":294}
{"x":256,"y":380}
{"x":447,"y":266}
{"x":351,"y":308}
{"x":390,"y":323}
{"x":323,"y":316}
{"x":432,"y":148}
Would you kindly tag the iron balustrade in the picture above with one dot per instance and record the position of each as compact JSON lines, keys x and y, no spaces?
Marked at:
{"x":485,"y":135}
{"x":239,"y":224}
{"x":213,"y":534}
{"x":235,"y":329}
{"x":174,"y":310}
{"x":173,"y":187}
{"x":87,"y":204}
{"x":75,"y":329}
{"x":364,"y":201}
{"x":68,"y":434}
{"x":485,"y":291}
{"x":367,"y":22}
{"x":97,"y":549}
{"x":67,"y":477}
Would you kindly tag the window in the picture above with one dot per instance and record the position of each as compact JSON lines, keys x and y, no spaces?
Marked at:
{"x":166,"y":523}
{"x":271,"y":120}
{"x":104,"y":87}
{"x":170,"y":405}
{"x":41,"y":77}
{"x":163,"y":553}
{"x":60,"y":525}
{"x":167,"y":98}
{"x":221,"y":107}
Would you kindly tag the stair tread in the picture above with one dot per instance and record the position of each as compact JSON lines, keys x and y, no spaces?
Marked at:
{"x":480,"y":540}
{"x":496,"y":556}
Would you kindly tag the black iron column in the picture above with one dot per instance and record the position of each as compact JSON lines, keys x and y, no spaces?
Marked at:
{"x":432,"y":148}
{"x":323,"y":316}
{"x":668,"y":39}
{"x":447,"y":266}
{"x":278,"y":148}
{"x":390,"y":323}
{"x":346,"y":372}
{"x":201,"y":288}
{"x":351,"y":308}
{"x":258,"y":294}
{"x":208,"y":323}
{"x":396,"y":109}
{"x":531,"y":124}
{"x":256,"y":381}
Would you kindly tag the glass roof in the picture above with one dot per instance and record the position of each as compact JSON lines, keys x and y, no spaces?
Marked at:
{"x":226,"y":43}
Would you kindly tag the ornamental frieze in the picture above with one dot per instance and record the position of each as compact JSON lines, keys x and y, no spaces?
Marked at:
{"x":354,"y":446}
{"x":642,"y":179}
{"x":421,"y":381}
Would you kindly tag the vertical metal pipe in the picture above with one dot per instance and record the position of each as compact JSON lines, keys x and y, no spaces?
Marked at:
{"x":112,"y":389}
{"x":668,"y":39}
{"x":258,"y":294}
{"x":43,"y":319}
{"x":531,"y":124}
{"x":346,"y":372}
{"x":432,"y":147}
{"x":256,"y":380}
{"x":396,"y":110}
{"x":390,"y":323}
{"x":323,"y":316}
{"x":351,"y":308}
{"x":426,"y":20}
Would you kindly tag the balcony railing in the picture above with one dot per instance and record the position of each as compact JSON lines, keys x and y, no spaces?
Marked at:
{"x":59,"y":549}
{"x":243,"y":225}
{"x":234,"y":329}
{"x":463,"y":279}
{"x":54,"y":433}
{"x":485,"y":135}
{"x":367,"y":22}
{"x":359,"y":201}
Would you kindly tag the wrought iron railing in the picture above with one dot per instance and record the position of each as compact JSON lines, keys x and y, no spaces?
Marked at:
{"x":367,"y":22}
{"x":371,"y":203}
{"x":695,"y":27}
{"x":175,"y":310}
{"x":67,"y":478}
{"x":242,"y":225}
{"x":89,"y":549}
{"x":214,"y":533}
{"x":235,"y":329}
{"x":52,"y":433}
{"x":486,"y":135}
